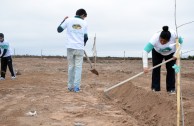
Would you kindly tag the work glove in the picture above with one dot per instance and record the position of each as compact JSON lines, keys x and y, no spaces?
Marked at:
{"x":180,"y":40}
{"x":176,"y":68}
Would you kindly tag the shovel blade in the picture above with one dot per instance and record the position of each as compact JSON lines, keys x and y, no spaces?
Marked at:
{"x":94,"y":71}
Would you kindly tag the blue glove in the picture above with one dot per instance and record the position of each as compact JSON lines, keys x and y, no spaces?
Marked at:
{"x":180,"y":40}
{"x":176,"y":68}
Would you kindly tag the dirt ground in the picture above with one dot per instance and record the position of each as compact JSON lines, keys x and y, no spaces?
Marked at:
{"x":42,"y":87}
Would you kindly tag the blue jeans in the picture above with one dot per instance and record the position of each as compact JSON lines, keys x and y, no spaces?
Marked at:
{"x":75,"y":61}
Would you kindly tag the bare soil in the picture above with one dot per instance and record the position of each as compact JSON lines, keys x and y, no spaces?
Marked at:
{"x":42,"y":87}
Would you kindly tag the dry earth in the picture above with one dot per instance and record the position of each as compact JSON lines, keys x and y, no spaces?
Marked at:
{"x":41,"y":87}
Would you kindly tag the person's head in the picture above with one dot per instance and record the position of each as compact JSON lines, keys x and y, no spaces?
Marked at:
{"x":1,"y":37}
{"x":82,"y":13}
{"x":165,"y":35}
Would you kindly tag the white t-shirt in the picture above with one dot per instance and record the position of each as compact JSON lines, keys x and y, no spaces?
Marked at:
{"x":76,"y":28}
{"x":167,"y":48}
{"x":5,"y":45}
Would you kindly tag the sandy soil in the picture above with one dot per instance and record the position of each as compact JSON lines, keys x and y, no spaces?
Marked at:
{"x":42,"y":87}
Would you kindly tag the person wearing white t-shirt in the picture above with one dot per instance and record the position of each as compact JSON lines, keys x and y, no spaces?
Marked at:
{"x":76,"y":30}
{"x":162,"y":45}
{"x":6,"y":59}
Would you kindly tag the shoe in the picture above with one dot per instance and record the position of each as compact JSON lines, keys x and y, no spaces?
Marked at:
{"x":70,"y":89}
{"x":155,"y":90}
{"x":172,"y":92}
{"x":76,"y":89}
{"x":31,"y":113}
{"x":13,"y":77}
{"x":2,"y":78}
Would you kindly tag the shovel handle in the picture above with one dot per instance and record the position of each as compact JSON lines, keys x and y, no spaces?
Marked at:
{"x":88,"y":59}
{"x":136,"y":76}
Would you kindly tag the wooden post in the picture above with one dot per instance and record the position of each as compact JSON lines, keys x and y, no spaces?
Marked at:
{"x":124,"y":55}
{"x":41,"y":53}
{"x":94,"y":56}
{"x":178,"y":82}
{"x":94,"y":51}
{"x":14,"y":52}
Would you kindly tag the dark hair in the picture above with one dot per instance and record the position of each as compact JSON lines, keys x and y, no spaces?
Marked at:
{"x":165,"y":34}
{"x":1,"y":35}
{"x":81,"y":12}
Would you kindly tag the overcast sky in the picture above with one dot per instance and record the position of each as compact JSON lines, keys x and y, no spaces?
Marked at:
{"x":119,"y":25}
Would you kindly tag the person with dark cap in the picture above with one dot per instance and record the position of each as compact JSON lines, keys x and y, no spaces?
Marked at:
{"x":6,"y":59}
{"x":76,"y":30}
{"x":162,"y":44}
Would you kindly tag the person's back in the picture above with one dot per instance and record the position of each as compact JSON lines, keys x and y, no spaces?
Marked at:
{"x":76,"y":29}
{"x":76,"y":40}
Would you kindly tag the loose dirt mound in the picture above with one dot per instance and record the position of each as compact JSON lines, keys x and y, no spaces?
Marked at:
{"x":150,"y":109}
{"x":188,"y":75}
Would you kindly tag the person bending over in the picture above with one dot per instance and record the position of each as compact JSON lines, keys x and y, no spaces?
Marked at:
{"x":163,"y":46}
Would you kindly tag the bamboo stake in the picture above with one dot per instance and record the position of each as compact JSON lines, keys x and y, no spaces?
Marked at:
{"x":182,"y":108}
{"x":178,"y":83}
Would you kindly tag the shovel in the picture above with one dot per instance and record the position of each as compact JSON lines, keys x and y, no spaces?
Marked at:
{"x":92,"y":70}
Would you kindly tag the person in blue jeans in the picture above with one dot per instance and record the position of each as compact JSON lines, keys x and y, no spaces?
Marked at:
{"x":76,"y":30}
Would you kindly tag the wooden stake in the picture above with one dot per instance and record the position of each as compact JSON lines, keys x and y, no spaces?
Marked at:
{"x":95,"y":51}
{"x":178,"y":82}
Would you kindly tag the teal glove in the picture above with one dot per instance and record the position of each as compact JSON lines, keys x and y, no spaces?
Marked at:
{"x":180,"y":40}
{"x":176,"y":68}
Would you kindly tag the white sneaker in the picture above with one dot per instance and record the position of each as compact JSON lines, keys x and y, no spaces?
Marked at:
{"x":13,"y":77}
{"x":31,"y":113}
{"x":2,"y":78}
{"x":172,"y":92}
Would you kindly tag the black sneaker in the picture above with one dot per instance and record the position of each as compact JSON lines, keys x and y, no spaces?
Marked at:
{"x":70,"y":89}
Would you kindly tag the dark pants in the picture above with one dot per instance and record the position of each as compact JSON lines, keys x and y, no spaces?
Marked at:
{"x":6,"y":61}
{"x":170,"y":77}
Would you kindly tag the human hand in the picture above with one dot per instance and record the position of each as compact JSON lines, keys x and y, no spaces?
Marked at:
{"x":145,"y":69}
{"x":174,"y":57}
{"x":66,"y":17}
{"x":180,"y":40}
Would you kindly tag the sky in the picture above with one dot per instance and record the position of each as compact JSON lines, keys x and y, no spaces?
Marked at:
{"x":122,"y":27}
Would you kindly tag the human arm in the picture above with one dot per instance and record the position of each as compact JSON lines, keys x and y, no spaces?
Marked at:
{"x":4,"y":52}
{"x":146,"y":50}
{"x":85,"y":34}
{"x":60,"y":27}
{"x":4,"y":47}
{"x":85,"y":39}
